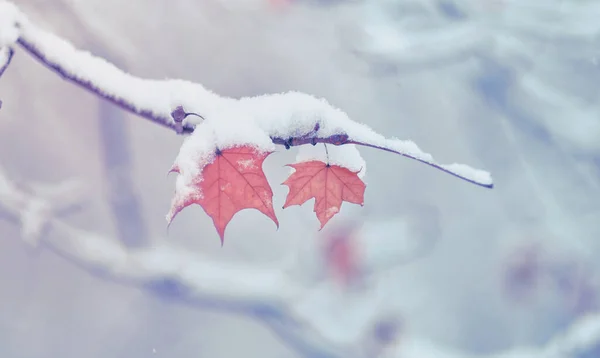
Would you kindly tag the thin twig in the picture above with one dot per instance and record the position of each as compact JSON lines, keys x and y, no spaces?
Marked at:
{"x":9,"y":56}
{"x":341,"y":139}
{"x":176,"y":121}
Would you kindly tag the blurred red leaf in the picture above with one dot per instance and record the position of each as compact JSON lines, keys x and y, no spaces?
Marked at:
{"x":328,"y":184}
{"x":233,"y":181}
{"x":343,"y":256}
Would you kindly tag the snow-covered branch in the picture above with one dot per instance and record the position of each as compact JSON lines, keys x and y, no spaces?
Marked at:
{"x":104,"y":255}
{"x":287,"y":119}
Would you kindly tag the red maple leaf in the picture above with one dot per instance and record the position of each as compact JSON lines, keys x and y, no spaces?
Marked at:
{"x":328,"y":184}
{"x":233,"y":181}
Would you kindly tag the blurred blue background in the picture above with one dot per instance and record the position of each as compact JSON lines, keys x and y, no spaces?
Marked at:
{"x":503,"y":85}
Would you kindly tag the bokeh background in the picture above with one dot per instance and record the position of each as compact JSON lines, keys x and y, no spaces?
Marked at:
{"x":503,"y":85}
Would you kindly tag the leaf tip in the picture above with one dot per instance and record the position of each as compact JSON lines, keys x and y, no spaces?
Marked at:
{"x":271,"y":214}
{"x":221,"y":233}
{"x":322,"y":225}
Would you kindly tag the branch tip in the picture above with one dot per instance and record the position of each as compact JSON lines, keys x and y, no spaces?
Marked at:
{"x":8,"y":52}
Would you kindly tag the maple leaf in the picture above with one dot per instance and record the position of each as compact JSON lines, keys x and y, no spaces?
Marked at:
{"x":233,"y":181}
{"x":328,"y":184}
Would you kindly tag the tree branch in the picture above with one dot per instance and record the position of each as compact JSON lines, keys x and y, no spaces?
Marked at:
{"x":6,"y":54}
{"x":169,"y":102}
{"x":29,"y":45}
{"x":481,"y":177}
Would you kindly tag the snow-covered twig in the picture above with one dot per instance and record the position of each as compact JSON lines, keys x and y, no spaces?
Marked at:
{"x":34,"y":212}
{"x":161,"y":102}
{"x":103,"y":254}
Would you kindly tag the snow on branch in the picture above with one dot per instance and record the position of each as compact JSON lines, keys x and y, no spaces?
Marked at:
{"x":288,"y":119}
{"x":103,"y":254}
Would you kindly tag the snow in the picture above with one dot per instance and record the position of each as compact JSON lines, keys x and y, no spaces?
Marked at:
{"x":480,"y":176}
{"x":202,"y":275}
{"x":223,"y":130}
{"x":249,"y":120}
{"x":346,"y":156}
{"x":159,"y":97}
{"x":329,"y":310}
{"x":9,"y":17}
{"x":33,"y":219}
{"x":35,"y":211}
{"x":581,"y":336}
{"x":176,"y":266}
{"x":256,"y":120}
{"x":247,"y":164}
{"x":4,"y":55}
